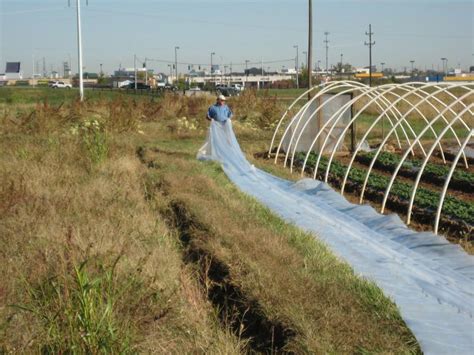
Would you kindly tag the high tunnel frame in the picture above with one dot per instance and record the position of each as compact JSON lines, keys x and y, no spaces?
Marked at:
{"x":386,"y":99}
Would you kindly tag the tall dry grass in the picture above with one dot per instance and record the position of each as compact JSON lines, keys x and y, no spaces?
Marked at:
{"x":257,"y":111}
{"x":87,"y":264}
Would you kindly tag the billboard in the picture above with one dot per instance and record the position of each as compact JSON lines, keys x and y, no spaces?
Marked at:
{"x":13,"y":67}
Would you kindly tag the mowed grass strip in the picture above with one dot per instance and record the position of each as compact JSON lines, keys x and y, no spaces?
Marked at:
{"x":295,"y":279}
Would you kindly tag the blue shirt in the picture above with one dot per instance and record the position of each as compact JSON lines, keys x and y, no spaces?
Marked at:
{"x":219,"y":113}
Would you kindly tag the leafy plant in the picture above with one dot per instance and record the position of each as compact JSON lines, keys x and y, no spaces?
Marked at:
{"x":93,"y":138}
{"x":77,"y":311}
{"x":424,"y":198}
{"x":461,"y":180}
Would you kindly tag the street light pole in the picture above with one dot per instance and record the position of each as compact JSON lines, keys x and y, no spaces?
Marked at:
{"x":146,"y":71}
{"x":297,"y":79}
{"x":212,"y":53}
{"x":382,"y":64}
{"x":135,"y":69}
{"x":246,"y":71}
{"x":341,"y":61}
{"x":326,"y":41}
{"x":445,"y":65}
{"x":79,"y":50}
{"x":176,"y":62}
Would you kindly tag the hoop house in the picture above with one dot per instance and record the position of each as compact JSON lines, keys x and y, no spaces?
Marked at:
{"x":416,"y":120}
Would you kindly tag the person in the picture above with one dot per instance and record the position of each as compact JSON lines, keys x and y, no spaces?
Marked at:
{"x":219,"y":112}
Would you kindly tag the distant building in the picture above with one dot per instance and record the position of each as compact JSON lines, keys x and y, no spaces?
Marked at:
{"x":129,"y":73}
{"x":215,"y":69}
{"x":288,"y":71}
{"x":66,"y":70}
{"x":13,"y":71}
{"x":366,"y":69}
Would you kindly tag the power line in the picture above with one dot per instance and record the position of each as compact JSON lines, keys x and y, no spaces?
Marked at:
{"x":228,"y":64}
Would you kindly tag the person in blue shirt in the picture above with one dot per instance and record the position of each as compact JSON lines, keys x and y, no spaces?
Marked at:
{"x":219,"y":112}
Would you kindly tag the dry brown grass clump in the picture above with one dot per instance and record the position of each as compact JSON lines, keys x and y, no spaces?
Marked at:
{"x":87,"y":265}
{"x":259,"y":111}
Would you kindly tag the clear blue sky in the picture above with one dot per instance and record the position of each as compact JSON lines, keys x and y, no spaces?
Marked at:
{"x":236,"y":30}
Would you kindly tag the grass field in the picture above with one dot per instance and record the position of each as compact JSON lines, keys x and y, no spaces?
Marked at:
{"x":114,"y":238}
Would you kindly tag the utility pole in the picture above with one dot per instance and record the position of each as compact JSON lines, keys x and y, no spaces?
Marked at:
{"x":327,"y":49}
{"x":370,"y":44}
{"x":296,"y":59}
{"x":309,"y":60}
{"x":135,"y":70}
{"x":341,"y":61}
{"x":382,"y":64}
{"x":176,"y":62}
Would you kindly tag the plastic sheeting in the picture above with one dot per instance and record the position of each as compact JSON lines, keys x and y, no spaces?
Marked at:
{"x":429,"y":279}
{"x":304,"y":131}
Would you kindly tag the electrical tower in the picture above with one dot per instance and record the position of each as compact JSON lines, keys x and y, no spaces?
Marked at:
{"x":370,"y":44}
{"x":327,"y":49}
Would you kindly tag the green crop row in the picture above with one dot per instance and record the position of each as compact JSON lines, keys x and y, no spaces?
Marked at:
{"x":424,"y":198}
{"x":433,"y":172}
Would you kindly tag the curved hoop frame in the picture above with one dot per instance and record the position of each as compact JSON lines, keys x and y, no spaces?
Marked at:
{"x":284,"y":115}
{"x":379,"y":149}
{"x":387,"y":106}
{"x":402,"y":160}
{"x":448,"y":179}
{"x":329,"y":100}
{"x":425,"y":162}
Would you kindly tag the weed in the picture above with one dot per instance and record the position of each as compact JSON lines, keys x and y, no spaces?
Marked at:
{"x":77,"y":311}
{"x":93,"y":138}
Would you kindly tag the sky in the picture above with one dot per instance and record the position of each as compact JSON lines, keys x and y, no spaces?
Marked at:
{"x":235,"y":30}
